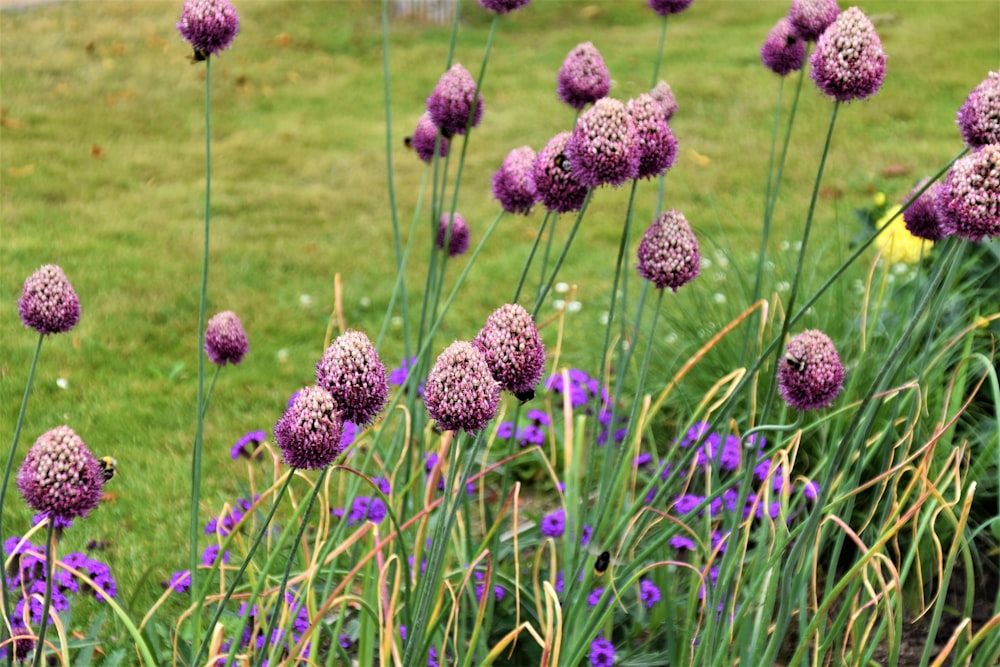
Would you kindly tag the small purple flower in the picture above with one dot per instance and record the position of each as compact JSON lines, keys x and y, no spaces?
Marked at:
{"x":225,"y":339}
{"x":602,"y":652}
{"x":809,"y":18}
{"x":514,"y":183}
{"x":48,"y":303}
{"x":594,"y":597}
{"x":208,"y":25}
{"x":211,"y":554}
{"x":513,"y":349}
{"x":24,"y":643}
{"x":458,"y":239}
{"x":810,"y":374}
{"x":355,"y":377}
{"x":583,"y":78}
{"x":645,"y":458}
{"x":686,"y":503}
{"x":557,"y":187}
{"x":664,"y":95}
{"x":968,"y":200}
{"x":683,"y":542}
{"x":554,"y":523}
{"x":849,"y":63}
{"x":60,"y":476}
{"x":179,"y":581}
{"x":505,"y":430}
{"x":921,"y":216}
{"x":667,"y":7}
{"x":649,"y":593}
{"x":979,"y":117}
{"x":450,"y":105}
{"x":602,"y":149}
{"x":248,"y":444}
{"x":530,"y":435}
{"x":502,"y":6}
{"x":655,"y":143}
{"x":668,"y":252}
{"x":810,"y":490}
{"x":309,"y":432}
{"x":783,"y":51}
{"x":424,"y":137}
{"x":460,"y":392}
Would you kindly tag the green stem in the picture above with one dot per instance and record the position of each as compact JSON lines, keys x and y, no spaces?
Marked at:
{"x":531,"y":256}
{"x":543,"y":292}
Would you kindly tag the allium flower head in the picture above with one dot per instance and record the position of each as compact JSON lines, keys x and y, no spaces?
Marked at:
{"x":225,"y":339}
{"x":48,"y":303}
{"x":896,"y":243}
{"x":810,"y":375}
{"x":602,"y":148}
{"x":809,"y":18}
{"x":458,"y":241}
{"x":309,"y":431}
{"x":460,"y":393}
{"x":514,"y":183}
{"x":668,"y":252}
{"x":783,"y":51}
{"x":849,"y":63}
{"x":59,"y":476}
{"x":583,"y":78}
{"x":424,"y":137}
{"x":502,"y":6}
{"x":513,"y":350}
{"x":667,"y":7}
{"x":208,"y":25}
{"x":557,"y":187}
{"x":664,"y":94}
{"x":655,"y":143}
{"x":355,"y":377}
{"x":921,"y":217}
{"x":979,"y":117}
{"x":450,"y":105}
{"x":968,"y":200}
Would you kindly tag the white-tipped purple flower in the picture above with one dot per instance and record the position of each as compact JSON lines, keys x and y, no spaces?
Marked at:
{"x":458,"y":239}
{"x":655,"y":143}
{"x":60,"y":477}
{"x":460,"y":393}
{"x":502,"y":6}
{"x":968,"y":200}
{"x":664,"y":94}
{"x":355,"y":376}
{"x":557,"y":187}
{"x":783,"y":51}
{"x":921,"y":217}
{"x":225,"y":339}
{"x":424,"y":137}
{"x":668,"y":7}
{"x":810,"y":374}
{"x":48,"y":302}
{"x":454,"y":105}
{"x":309,"y":431}
{"x":849,"y":63}
{"x":979,"y":117}
{"x":208,"y":25}
{"x":514,"y":183}
{"x":583,"y":78}
{"x":602,"y":149}
{"x":513,"y":350}
{"x":668,"y":252}
{"x":809,"y":18}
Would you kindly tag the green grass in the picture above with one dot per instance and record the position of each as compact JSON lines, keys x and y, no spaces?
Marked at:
{"x":102,"y":173}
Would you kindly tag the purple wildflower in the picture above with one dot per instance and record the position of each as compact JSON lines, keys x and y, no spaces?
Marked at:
{"x":810,"y":374}
{"x":514,"y":183}
{"x":663,"y":94}
{"x":458,"y":239}
{"x":513,"y":349}
{"x":48,"y":303}
{"x":683,"y":542}
{"x":554,"y":523}
{"x":809,"y":18}
{"x":783,"y":51}
{"x":225,"y":339}
{"x":655,"y":143}
{"x":810,"y":490}
{"x":602,"y":652}
{"x":668,"y":252}
{"x":667,"y":7}
{"x":979,"y":117}
{"x":179,"y":581}
{"x":461,"y":393}
{"x":849,"y":63}
{"x":355,"y":377}
{"x":968,"y":200}
{"x":60,"y":476}
{"x":505,"y":430}
{"x":309,"y":432}
{"x":211,"y":554}
{"x":208,"y":25}
{"x":530,"y":435}
{"x":921,"y":216}
{"x":602,"y":149}
{"x":583,"y":78}
{"x":248,"y":444}
{"x":594,"y":597}
{"x":24,"y":643}
{"x":502,"y":6}
{"x":649,"y":593}
{"x":557,"y":187}
{"x":450,"y":105}
{"x":424,"y":137}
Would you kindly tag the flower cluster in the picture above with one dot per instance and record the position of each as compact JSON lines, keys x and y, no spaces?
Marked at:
{"x":60,"y":477}
{"x":460,"y":393}
{"x":921,"y":216}
{"x":896,"y":243}
{"x":454,"y":105}
{"x":513,"y":349}
{"x":453,"y":231}
{"x":849,"y":63}
{"x":247,"y":446}
{"x":514,"y":184}
{"x":664,"y":95}
{"x":225,"y":339}
{"x":809,"y":18}
{"x":366,"y":508}
{"x":583,"y":78}
{"x":979,"y":116}
{"x":668,"y":252}
{"x":208,"y":25}
{"x":48,"y":302}
{"x":655,"y":142}
{"x":557,"y":187}
{"x":810,"y":374}
{"x":309,"y":432}
{"x":968,"y":200}
{"x":352,"y":372}
{"x":783,"y":51}
{"x":668,"y":7}
{"x":602,"y":148}
{"x":180,"y":581}
{"x":424,"y":137}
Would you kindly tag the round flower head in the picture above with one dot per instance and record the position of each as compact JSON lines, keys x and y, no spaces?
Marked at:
{"x":809,"y":18}
{"x":48,"y":303}
{"x":849,"y":63}
{"x":424,"y":137}
{"x":60,"y":477}
{"x":502,"y":6}
{"x":557,"y":187}
{"x":655,"y":143}
{"x":460,"y":393}
{"x":602,"y":148}
{"x":355,"y":376}
{"x":309,"y":431}
{"x":668,"y":251}
{"x":458,"y":242}
{"x":783,"y":50}
{"x":450,"y":105}
{"x":513,"y":350}
{"x":968,"y":200}
{"x":514,"y":184}
{"x":979,"y":117}
{"x":810,"y":375}
{"x":208,"y":25}
{"x":921,"y":217}
{"x":225,"y":339}
{"x":667,"y":7}
{"x":663,"y":94}
{"x":583,"y":78}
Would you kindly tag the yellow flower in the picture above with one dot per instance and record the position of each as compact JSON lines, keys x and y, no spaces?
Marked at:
{"x":879,"y":199}
{"x":896,"y":243}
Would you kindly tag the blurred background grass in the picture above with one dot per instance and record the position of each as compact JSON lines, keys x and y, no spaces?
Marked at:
{"x":102,"y":173}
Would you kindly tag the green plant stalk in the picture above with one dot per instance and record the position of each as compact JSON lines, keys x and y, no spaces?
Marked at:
{"x":50,"y":568}
{"x":543,"y":292}
{"x":548,"y":251}
{"x":531,"y":256}
{"x":659,"y":53}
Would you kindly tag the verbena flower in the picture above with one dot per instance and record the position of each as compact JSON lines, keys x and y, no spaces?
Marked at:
{"x":180,"y":582}
{"x":602,"y":148}
{"x":60,"y":476}
{"x":208,"y":25}
{"x":979,"y":116}
{"x":247,"y":445}
{"x":309,"y":431}
{"x":450,"y":105}
{"x":513,"y":349}
{"x":809,"y":18}
{"x":583,"y":78}
{"x":783,"y":51}
{"x":849,"y":63}
{"x":554,"y":523}
{"x":352,"y":372}
{"x":663,"y":94}
{"x":668,"y":252}
{"x":225,"y":339}
{"x":968,"y":200}
{"x":595,"y":596}
{"x":460,"y":393}
{"x":424,"y":137}
{"x":655,"y":142}
{"x":48,"y":303}
{"x":649,"y":593}
{"x":897,"y":244}
{"x":558,"y":189}
{"x":602,"y":652}
{"x":458,"y":240}
{"x":667,"y":7}
{"x":502,"y":6}
{"x":921,"y":216}
{"x":514,"y":183}
{"x":810,"y":374}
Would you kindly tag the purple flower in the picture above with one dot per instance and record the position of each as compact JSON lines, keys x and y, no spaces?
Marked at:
{"x":48,"y":303}
{"x":667,"y":7}
{"x":602,"y":149}
{"x":211,"y":554}
{"x":366,"y":508}
{"x":810,"y":375}
{"x":783,"y":51}
{"x":649,"y":593}
{"x":24,"y":643}
{"x":502,"y":6}
{"x":655,"y":143}
{"x":355,"y":377}
{"x":179,"y":581}
{"x":208,"y":25}
{"x":513,"y":349}
{"x":968,"y":200}
{"x":849,"y":63}
{"x":686,"y":503}
{"x":514,"y":183}
{"x":979,"y":117}
{"x":424,"y":137}
{"x":60,"y":476}
{"x":663,"y":94}
{"x":505,"y":430}
{"x":450,"y":105}
{"x":247,"y":445}
{"x":530,"y":435}
{"x":225,"y":339}
{"x":602,"y":652}
{"x":309,"y":432}
{"x":458,"y":240}
{"x":809,"y":18}
{"x":668,"y":252}
{"x":554,"y":523}
{"x":594,"y":597}
{"x":810,"y":490}
{"x":557,"y":187}
{"x":921,"y":216}
{"x":460,"y":392}
{"x":683,"y":542}
{"x":583,"y":78}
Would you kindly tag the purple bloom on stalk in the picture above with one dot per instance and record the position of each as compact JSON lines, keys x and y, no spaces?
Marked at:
{"x":502,"y":6}
{"x":355,"y":377}
{"x":849,"y":63}
{"x":48,"y":303}
{"x":179,"y":581}
{"x":979,"y":117}
{"x":24,"y":643}
{"x":602,"y":652}
{"x":668,"y":252}
{"x":248,"y":444}
{"x":513,"y":350}
{"x":968,"y":200}
{"x":557,"y":187}
{"x":309,"y":431}
{"x":810,"y":490}
{"x":783,"y":51}
{"x":683,"y":542}
{"x":424,"y":137}
{"x":554,"y":523}
{"x":514,"y":184}
{"x":809,"y":18}
{"x":663,"y":94}
{"x":450,"y":105}
{"x":667,"y":7}
{"x":225,"y":339}
{"x":921,"y":217}
{"x":810,"y":374}
{"x":583,"y":78}
{"x":460,"y":392}
{"x":60,"y":476}
{"x":649,"y":593}
{"x":595,"y":597}
{"x":602,"y":149}
{"x":458,"y":241}
{"x":208,"y":25}
{"x":655,"y":143}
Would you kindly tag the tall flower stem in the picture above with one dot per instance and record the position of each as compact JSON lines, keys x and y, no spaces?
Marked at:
{"x":50,"y":560}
